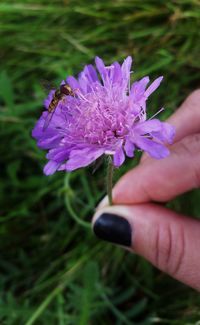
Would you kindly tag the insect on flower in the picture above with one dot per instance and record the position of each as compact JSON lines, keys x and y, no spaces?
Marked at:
{"x":64,"y":90}
{"x":100,"y":114}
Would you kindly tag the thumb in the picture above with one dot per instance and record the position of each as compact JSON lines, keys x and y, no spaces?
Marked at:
{"x":169,"y":241}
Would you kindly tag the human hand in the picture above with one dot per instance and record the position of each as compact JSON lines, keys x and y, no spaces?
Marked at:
{"x":170,"y":241}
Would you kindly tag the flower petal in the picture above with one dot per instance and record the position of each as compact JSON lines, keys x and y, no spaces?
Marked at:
{"x":83,"y":82}
{"x":154,"y":149}
{"x":82,"y":158}
{"x":119,"y":157}
{"x":59,"y":154}
{"x":101,"y":68}
{"x":87,"y":77}
{"x":160,"y":130}
{"x":129,"y":148}
{"x":126,"y":67}
{"x":73,"y":83}
{"x":155,"y":84}
{"x":147,"y":126}
{"x":51,"y":167}
{"x":116,"y":73}
{"x":138,"y":89}
{"x":49,"y":142}
{"x":45,"y":139}
{"x":91,"y":73}
{"x":166,"y":134}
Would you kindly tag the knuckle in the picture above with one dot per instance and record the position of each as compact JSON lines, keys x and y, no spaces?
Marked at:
{"x":190,"y":144}
{"x":169,"y":249}
{"x":190,"y":148}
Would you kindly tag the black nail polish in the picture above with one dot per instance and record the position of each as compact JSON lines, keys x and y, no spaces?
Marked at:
{"x":113,"y":228}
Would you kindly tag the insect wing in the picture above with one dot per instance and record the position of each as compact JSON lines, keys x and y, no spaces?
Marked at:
{"x":47,"y":85}
{"x":48,"y":119}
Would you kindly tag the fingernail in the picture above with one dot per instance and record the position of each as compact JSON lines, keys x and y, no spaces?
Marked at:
{"x":113,"y":228}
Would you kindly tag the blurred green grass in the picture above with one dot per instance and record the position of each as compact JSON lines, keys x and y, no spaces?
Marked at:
{"x":53,"y":270}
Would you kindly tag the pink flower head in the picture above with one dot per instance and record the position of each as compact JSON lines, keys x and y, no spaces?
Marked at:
{"x":106,"y":116}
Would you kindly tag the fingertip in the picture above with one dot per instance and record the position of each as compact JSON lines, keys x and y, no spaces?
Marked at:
{"x":103,"y":203}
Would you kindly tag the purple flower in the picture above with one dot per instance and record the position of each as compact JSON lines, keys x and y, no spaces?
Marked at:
{"x":106,"y":116}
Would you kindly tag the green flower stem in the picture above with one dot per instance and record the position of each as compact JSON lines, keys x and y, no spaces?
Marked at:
{"x":109,"y":180}
{"x":68,"y":196}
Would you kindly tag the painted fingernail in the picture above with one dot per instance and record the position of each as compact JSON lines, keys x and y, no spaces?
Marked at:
{"x":113,"y":228}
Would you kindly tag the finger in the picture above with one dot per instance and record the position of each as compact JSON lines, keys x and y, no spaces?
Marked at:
{"x":159,"y":175}
{"x":162,"y":180}
{"x":187,"y":118}
{"x":169,"y":241}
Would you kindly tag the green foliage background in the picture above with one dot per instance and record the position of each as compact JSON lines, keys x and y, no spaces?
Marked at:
{"x":52,"y":268}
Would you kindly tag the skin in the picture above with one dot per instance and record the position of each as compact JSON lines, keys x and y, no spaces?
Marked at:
{"x":170,"y":241}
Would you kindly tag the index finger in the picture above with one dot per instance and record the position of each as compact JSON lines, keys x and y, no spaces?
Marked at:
{"x":187,"y":117}
{"x":162,"y":180}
